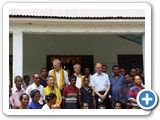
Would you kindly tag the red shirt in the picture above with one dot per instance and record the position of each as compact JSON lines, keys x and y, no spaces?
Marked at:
{"x":70,"y":90}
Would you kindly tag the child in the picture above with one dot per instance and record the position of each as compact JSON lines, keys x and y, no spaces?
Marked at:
{"x":117,"y":105}
{"x":24,"y":98}
{"x":85,"y":106}
{"x":51,"y":100}
{"x":70,"y":94}
{"x":134,"y":91}
{"x":86,"y":94}
{"x":101,"y":106}
{"x":35,"y":96}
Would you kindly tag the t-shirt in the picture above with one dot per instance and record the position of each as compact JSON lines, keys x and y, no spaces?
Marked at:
{"x":86,"y":96}
{"x":71,"y":97}
{"x":33,"y":105}
{"x":45,"y":107}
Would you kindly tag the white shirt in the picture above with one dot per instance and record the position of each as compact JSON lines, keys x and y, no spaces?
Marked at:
{"x":40,"y":88}
{"x":58,"y":77}
{"x":78,"y":81}
{"x":100,"y":82}
{"x":45,"y":107}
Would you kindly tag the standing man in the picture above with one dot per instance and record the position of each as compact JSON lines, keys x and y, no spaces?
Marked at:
{"x":26,"y":80}
{"x":117,"y":83}
{"x":77,"y":73}
{"x":17,"y":90}
{"x":36,"y":85}
{"x":59,"y":74}
{"x":101,"y":86}
{"x":43,"y":79}
{"x":104,"y":69}
{"x":123,"y":71}
{"x":87,"y":73}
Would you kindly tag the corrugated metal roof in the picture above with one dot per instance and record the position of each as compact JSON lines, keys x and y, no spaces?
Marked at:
{"x":64,"y":17}
{"x":79,"y":13}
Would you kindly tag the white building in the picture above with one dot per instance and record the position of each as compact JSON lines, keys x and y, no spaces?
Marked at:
{"x":107,"y":35}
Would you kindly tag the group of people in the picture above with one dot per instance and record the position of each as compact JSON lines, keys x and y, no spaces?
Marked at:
{"x":57,"y":89}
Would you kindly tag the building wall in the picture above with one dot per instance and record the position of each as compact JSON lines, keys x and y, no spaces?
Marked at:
{"x":105,"y":49}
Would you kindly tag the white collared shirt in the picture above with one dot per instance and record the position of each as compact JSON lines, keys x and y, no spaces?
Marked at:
{"x":78,"y":81}
{"x":58,"y":77}
{"x":40,"y":88}
{"x":100,"y":82}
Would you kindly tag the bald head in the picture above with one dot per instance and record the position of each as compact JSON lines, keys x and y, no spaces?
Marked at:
{"x":98,"y":68}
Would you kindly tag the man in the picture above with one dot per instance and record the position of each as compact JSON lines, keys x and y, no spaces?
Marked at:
{"x":59,"y":74}
{"x":77,"y":73}
{"x":101,"y":86}
{"x":26,"y":80}
{"x":36,"y":85}
{"x":134,"y":91}
{"x":122,"y":71}
{"x":70,"y":94}
{"x":87,"y":73}
{"x":117,"y":83}
{"x":17,"y":91}
{"x":125,"y":91}
{"x":43,"y":79}
{"x":87,"y":95}
{"x":104,"y":68}
{"x":133,"y":72}
{"x":52,"y":88}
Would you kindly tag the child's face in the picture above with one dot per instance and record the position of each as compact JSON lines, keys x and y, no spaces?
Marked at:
{"x":25,"y":100}
{"x":53,"y":101}
{"x":85,"y":106}
{"x":118,"y":106}
{"x":36,"y":97}
{"x":86,"y":81}
{"x":137,"y":80}
{"x":73,"y":81}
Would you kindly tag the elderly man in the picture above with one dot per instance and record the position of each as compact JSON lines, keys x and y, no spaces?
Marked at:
{"x":101,"y":86}
{"x":77,"y":73}
{"x":59,"y":74}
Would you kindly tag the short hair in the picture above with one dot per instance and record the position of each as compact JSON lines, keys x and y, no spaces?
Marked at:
{"x":135,"y":76}
{"x":16,"y":77}
{"x":117,"y":102}
{"x":85,"y":78}
{"x":24,"y":77}
{"x":127,"y":74}
{"x":50,"y":96}
{"x":114,"y":66}
{"x":33,"y":92}
{"x":35,"y":74}
{"x":50,"y":77}
{"x":76,"y":65}
{"x":43,"y":69}
{"x":104,"y":66}
{"x":133,"y":68}
{"x":57,"y":61}
{"x":72,"y":76}
{"x":21,"y":96}
{"x":101,"y":105}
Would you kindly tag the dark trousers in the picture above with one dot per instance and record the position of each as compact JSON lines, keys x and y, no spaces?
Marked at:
{"x":106,"y":102}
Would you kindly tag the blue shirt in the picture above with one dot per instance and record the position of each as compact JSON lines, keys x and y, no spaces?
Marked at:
{"x":100,"y":82}
{"x":116,"y":86}
{"x":32,"y":105}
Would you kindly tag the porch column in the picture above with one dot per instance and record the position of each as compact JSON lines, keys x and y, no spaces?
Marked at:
{"x":17,"y":54}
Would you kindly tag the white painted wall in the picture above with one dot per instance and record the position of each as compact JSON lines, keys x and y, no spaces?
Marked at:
{"x":104,"y":48}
